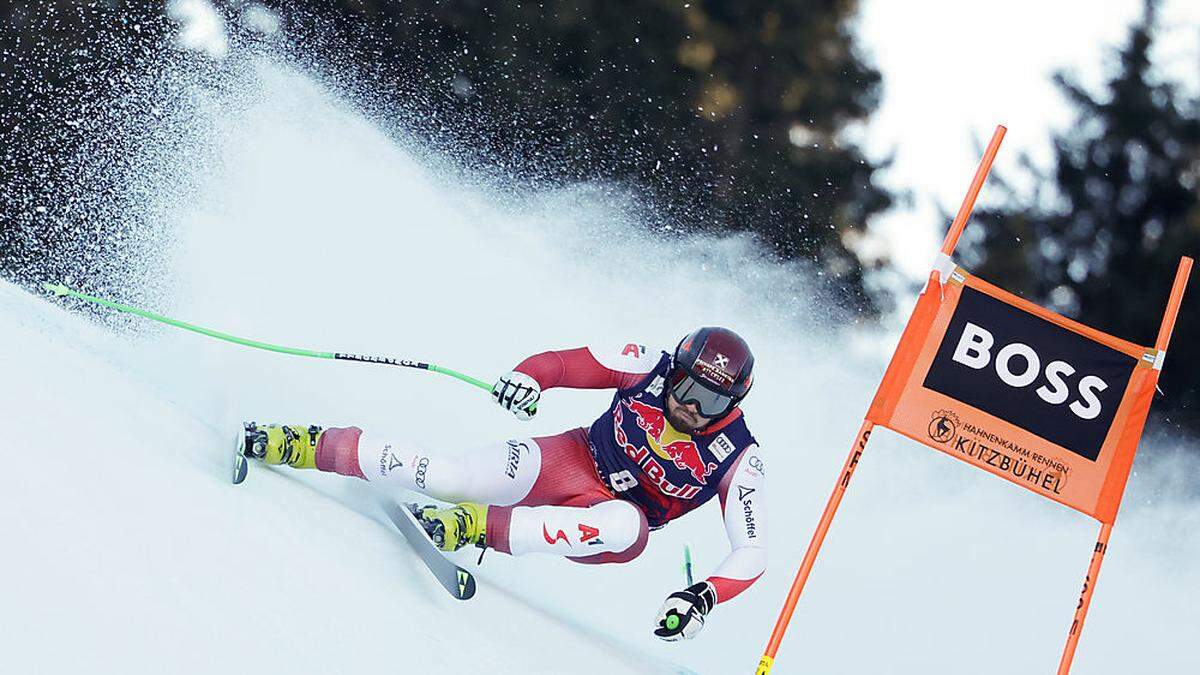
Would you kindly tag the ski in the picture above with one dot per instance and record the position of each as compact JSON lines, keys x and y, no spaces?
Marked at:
{"x":458,"y":582}
{"x":239,"y":466}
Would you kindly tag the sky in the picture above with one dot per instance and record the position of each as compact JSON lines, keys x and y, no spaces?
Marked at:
{"x":952,"y":71}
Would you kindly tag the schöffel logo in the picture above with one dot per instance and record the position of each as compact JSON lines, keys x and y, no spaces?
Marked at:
{"x":388,"y":461}
{"x":1029,"y":372}
{"x":748,"y":510}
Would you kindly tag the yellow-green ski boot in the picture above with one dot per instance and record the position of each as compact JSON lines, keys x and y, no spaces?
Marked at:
{"x":454,"y":527}
{"x":291,"y":444}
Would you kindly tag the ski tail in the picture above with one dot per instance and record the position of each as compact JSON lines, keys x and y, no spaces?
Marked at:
{"x":239,"y":465}
{"x":457,"y":581}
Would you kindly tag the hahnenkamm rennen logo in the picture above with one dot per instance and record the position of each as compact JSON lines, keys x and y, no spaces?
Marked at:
{"x":944,"y":426}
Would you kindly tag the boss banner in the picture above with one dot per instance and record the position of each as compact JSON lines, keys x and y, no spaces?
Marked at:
{"x":1019,"y":391}
{"x":1014,"y":389}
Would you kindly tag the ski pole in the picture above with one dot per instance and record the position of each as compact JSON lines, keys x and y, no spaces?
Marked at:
{"x":61,"y":290}
{"x":672,"y":620}
{"x":687,"y":563}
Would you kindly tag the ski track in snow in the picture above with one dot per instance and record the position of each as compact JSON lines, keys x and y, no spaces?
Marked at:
{"x":128,"y":551}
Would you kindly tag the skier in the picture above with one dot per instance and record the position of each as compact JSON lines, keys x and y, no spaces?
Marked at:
{"x":672,"y":438}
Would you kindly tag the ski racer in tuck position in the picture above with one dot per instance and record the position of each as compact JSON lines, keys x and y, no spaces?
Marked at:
{"x":672,"y":438}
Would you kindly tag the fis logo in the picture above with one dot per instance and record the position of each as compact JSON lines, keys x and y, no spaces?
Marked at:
{"x":656,"y":386}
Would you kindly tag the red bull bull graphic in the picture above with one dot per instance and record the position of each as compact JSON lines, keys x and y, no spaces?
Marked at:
{"x":686,"y":456}
{"x":645,"y":457}
{"x":682,"y":451}
{"x":649,"y":419}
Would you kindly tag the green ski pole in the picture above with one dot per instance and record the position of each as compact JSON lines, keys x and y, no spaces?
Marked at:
{"x":687,"y":563}
{"x":673,"y":620}
{"x":61,"y":290}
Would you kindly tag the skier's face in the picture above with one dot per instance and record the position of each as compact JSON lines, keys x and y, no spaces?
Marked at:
{"x":685,"y":417}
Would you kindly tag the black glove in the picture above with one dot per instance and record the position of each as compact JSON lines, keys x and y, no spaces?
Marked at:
{"x":682,"y":615}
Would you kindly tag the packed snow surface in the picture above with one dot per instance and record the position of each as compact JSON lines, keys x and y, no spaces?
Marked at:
{"x":127,"y":550}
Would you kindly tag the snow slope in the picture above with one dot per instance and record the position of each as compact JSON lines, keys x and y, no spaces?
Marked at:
{"x":127,"y":551}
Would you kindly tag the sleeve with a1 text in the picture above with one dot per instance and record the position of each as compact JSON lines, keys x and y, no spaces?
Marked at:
{"x":590,"y":367}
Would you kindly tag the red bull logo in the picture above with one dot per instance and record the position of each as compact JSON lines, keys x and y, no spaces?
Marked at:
{"x":686,"y":456}
{"x":650,"y":419}
{"x":657,"y":474}
{"x":683,"y":453}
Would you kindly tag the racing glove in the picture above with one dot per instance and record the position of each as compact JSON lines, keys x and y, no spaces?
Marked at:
{"x":682,"y":615}
{"x":518,"y":393}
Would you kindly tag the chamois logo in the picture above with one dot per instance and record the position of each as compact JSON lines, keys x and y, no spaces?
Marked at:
{"x":943,"y":426}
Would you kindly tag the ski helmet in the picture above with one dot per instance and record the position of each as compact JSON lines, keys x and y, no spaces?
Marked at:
{"x":713,"y":368}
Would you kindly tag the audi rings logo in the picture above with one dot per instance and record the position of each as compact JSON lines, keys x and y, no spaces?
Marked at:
{"x":944,"y":426}
{"x":422,"y":464}
{"x":757,"y":464}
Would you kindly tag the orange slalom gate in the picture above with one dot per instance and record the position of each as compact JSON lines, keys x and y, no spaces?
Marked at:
{"x":963,"y":381}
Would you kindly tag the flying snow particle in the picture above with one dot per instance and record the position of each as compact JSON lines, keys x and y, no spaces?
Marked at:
{"x":201,"y":29}
{"x":260,"y":19}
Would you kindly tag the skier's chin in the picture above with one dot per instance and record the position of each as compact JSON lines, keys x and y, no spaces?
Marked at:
{"x":683,"y":424}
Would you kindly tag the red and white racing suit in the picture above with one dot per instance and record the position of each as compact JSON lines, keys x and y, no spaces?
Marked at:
{"x":546,"y":494}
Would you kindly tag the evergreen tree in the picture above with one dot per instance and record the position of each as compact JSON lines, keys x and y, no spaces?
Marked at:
{"x":1101,"y":235}
{"x":728,"y":116}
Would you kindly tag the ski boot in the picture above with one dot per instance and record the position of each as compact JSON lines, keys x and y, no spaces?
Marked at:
{"x":291,"y":444}
{"x":454,"y":527}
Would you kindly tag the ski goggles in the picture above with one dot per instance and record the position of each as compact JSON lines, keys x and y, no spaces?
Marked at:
{"x":687,"y":389}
